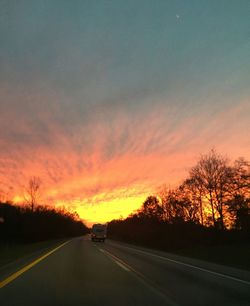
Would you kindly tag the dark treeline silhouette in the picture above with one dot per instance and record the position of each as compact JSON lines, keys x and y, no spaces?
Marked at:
{"x":212,"y":205}
{"x":20,"y":224}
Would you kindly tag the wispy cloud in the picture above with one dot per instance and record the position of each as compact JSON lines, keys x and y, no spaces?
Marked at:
{"x":115,"y":149}
{"x":110,"y":100}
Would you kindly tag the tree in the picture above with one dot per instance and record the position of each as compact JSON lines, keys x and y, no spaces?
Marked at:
{"x":240,"y":183}
{"x":194,"y":188}
{"x":239,"y":203}
{"x":176,"y":206}
{"x":32,"y":191}
{"x":168,"y":200}
{"x":213,"y":174}
{"x":191,"y":200}
{"x":151,"y":209}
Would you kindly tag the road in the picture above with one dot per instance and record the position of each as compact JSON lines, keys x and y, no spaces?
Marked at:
{"x":81,"y":272}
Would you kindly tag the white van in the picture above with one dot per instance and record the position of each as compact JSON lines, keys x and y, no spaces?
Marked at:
{"x":99,"y":232}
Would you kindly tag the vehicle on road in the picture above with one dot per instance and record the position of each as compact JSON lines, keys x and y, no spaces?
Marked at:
{"x":99,"y":232}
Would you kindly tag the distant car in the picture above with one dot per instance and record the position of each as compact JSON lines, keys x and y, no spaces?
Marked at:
{"x":99,"y":232}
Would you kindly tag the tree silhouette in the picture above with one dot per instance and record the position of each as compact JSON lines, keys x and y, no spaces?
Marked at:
{"x":214,"y":193}
{"x":239,"y":203}
{"x":151,"y":209}
{"x":191,"y":203}
{"x":213,"y":175}
{"x":32,"y":191}
{"x":22,"y":224}
{"x":193,"y":187}
{"x":240,"y":183}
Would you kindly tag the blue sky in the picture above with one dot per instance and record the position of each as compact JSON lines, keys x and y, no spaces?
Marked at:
{"x":114,"y":46}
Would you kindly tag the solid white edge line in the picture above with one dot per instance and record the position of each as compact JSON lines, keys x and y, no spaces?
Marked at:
{"x":191,"y":266}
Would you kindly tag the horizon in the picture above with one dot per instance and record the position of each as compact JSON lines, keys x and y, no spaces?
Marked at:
{"x":105,"y":102}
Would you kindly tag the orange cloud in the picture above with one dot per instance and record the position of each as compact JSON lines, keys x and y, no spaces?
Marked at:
{"x":106,"y":165}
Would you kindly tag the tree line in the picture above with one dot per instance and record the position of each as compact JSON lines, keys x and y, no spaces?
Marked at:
{"x":211,"y":204}
{"x":27,"y":223}
{"x":32,"y":222}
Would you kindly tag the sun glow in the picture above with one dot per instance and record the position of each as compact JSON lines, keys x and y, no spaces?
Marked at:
{"x":105,"y":210}
{"x":18,"y":199}
{"x":102,"y":207}
{"x":110,"y":172}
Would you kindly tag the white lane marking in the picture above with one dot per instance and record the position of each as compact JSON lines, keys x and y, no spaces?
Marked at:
{"x":190,"y":266}
{"x":116,"y":260}
{"x":122,"y":266}
{"x":140,"y":277}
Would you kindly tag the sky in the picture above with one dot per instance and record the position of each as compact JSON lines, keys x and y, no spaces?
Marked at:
{"x":107,"y":100}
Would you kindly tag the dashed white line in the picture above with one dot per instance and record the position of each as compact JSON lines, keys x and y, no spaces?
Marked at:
{"x":122,"y":266}
{"x":115,"y":259}
{"x":140,"y":277}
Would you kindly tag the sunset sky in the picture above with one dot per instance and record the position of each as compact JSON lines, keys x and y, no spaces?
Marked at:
{"x":107,"y":100}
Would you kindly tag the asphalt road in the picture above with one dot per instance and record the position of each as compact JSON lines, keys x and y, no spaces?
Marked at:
{"x":85,"y":273}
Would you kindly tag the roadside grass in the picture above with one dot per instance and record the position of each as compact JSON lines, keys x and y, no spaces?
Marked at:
{"x":233,"y":255}
{"x":12,"y":252}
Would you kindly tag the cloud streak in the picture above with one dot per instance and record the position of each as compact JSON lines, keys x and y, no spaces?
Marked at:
{"x":104,"y":102}
{"x":115,"y":149}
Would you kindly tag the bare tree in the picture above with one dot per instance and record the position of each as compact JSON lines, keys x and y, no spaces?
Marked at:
{"x":240,"y":184}
{"x":32,"y":191}
{"x":167,"y":196}
{"x":196,"y":193}
{"x":151,"y":208}
{"x":213,"y":175}
{"x":176,"y":205}
{"x":191,"y":196}
{"x":239,"y":202}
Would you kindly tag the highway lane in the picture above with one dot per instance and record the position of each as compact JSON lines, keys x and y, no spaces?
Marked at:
{"x":79,"y":274}
{"x":186,"y":281}
{"x":85,"y":273}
